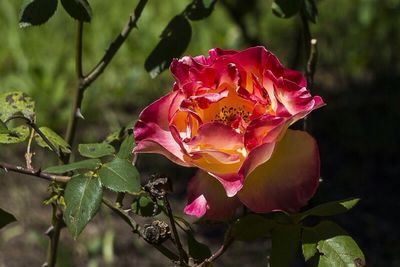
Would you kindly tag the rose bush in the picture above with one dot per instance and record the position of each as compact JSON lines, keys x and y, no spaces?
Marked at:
{"x":228,"y":114}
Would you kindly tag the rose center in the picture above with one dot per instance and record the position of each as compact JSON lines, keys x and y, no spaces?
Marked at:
{"x":227,"y":115}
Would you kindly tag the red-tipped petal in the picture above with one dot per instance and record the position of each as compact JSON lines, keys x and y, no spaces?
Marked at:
{"x":152,"y":134}
{"x":206,"y":197}
{"x":288,"y":179}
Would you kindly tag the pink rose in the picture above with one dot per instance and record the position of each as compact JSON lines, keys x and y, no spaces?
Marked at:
{"x":228,"y":114}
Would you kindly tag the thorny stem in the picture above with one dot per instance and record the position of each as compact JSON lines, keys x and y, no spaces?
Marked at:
{"x":35,"y":173}
{"x":85,"y":81}
{"x":136,"y":229}
{"x":311,"y":53}
{"x":54,"y":234}
{"x":183,"y":257}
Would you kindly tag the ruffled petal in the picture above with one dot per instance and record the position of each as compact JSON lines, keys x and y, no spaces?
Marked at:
{"x":206,"y":197}
{"x":288,"y":179}
{"x":152,"y":134}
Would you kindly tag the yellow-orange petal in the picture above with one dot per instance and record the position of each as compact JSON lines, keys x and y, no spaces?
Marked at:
{"x":288,"y":179}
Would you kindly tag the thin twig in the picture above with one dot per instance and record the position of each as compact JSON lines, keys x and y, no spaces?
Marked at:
{"x":116,"y":44}
{"x":227,"y":243}
{"x":311,"y":53}
{"x":35,"y":173}
{"x":183,"y":257}
{"x":33,"y":125}
{"x":136,"y":229}
{"x":54,"y":234}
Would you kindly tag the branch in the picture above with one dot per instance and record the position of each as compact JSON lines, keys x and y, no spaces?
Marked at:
{"x":35,"y":173}
{"x":183,"y":257}
{"x":227,"y":243}
{"x":116,"y":44}
{"x":136,"y":229}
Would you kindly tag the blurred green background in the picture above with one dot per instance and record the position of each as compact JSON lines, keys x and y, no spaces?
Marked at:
{"x":358,"y":75}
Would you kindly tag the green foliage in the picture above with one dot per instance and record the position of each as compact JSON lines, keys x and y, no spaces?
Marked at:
{"x":145,"y":206}
{"x":82,"y":198}
{"x":120,"y":175}
{"x":54,"y":138}
{"x":285,"y":242}
{"x":334,"y":246}
{"x":78,"y":9}
{"x":198,"y":251}
{"x":175,"y":39}
{"x":16,"y":103}
{"x":252,"y":227}
{"x":125,"y":150}
{"x":199,"y":9}
{"x":6,"y":218}
{"x":286,"y":8}
{"x":89,"y":164}
{"x":36,"y":12}
{"x":3,"y":128}
{"x":96,"y":150}
{"x":330,"y":208}
{"x":15,"y":135}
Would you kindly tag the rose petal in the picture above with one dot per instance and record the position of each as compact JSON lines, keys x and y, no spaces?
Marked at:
{"x":288,"y":179}
{"x":207,"y":197}
{"x":232,"y":182}
{"x":152,"y":133}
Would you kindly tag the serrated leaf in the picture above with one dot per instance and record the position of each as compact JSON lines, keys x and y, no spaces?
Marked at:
{"x":3,"y":128}
{"x":125,"y":151}
{"x":13,"y":103}
{"x":174,"y":40}
{"x":120,"y":175}
{"x":309,"y":241}
{"x":252,"y":227}
{"x":144,"y":206}
{"x":311,"y":10}
{"x":6,"y":218}
{"x":15,"y":135}
{"x":78,"y":9}
{"x":286,"y":8}
{"x":96,"y":150}
{"x":198,"y":251}
{"x":331,"y":208}
{"x":54,"y":138}
{"x":36,"y":12}
{"x":89,"y":164}
{"x":335,"y":246}
{"x":285,"y":242}
{"x":199,"y":9}
{"x":82,"y":198}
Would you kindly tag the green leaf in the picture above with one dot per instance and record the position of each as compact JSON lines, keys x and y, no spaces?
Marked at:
{"x":174,"y":40}
{"x":285,"y":242}
{"x":36,"y":12}
{"x":199,"y":9}
{"x":198,"y":251}
{"x":96,"y":150}
{"x":3,"y":128}
{"x":331,"y":208}
{"x":15,"y":135}
{"x":125,"y":151}
{"x":89,"y":164}
{"x":251,"y":227}
{"x":120,"y":175}
{"x":54,"y":138}
{"x":6,"y":218}
{"x":78,"y":9}
{"x":13,"y":103}
{"x":144,"y":206}
{"x":335,"y":246}
{"x":82,"y":198}
{"x":286,"y":8}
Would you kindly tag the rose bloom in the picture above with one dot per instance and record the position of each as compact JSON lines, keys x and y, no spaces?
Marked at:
{"x":228,"y":114}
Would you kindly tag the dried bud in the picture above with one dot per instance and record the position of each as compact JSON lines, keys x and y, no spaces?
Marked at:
{"x":158,"y":186}
{"x":156,"y":232}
